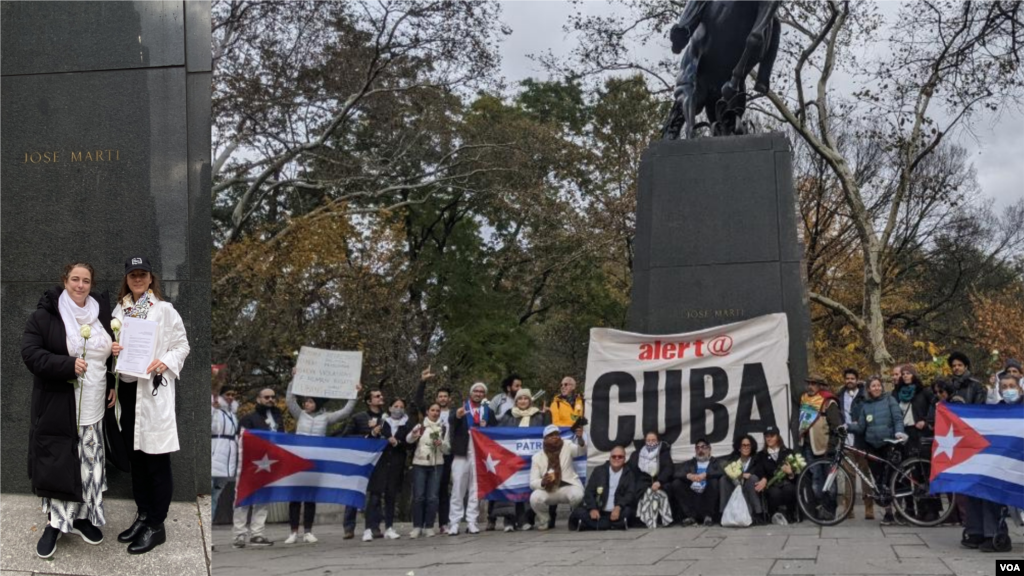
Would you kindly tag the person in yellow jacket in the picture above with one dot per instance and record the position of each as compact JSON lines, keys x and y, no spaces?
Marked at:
{"x":567,"y":407}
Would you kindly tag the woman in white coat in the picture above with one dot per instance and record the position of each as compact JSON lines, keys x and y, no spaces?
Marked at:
{"x":223,"y":442}
{"x":311,"y":419}
{"x":147,"y":405}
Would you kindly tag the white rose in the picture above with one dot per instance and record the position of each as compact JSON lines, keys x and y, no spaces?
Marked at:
{"x":86,"y":331}
{"x":115,"y":325}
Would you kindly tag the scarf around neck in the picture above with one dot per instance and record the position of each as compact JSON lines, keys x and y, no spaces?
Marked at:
{"x":524,"y":415}
{"x":906,"y":393}
{"x":553,"y":450}
{"x":74,"y":317}
{"x":138,"y":309}
{"x":395,"y":424}
{"x":649,"y":459}
{"x":474,"y":419}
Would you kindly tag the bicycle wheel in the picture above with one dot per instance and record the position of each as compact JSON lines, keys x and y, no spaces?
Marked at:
{"x":819,"y":495}
{"x":911,"y":498}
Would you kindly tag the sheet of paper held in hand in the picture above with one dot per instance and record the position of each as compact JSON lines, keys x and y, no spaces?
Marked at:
{"x":138,"y":338}
{"x":327,"y":373}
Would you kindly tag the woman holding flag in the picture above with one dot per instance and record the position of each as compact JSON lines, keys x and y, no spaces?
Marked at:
{"x":311,"y":419}
{"x":523,"y":414}
{"x":386,"y":480}
{"x":66,"y":346}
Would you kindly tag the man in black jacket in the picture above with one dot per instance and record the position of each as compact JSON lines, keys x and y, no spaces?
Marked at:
{"x":609,"y":498}
{"x":364,"y":425}
{"x":267,"y":416}
{"x":969,"y":388}
{"x":694,"y":486}
{"x":850,"y":400}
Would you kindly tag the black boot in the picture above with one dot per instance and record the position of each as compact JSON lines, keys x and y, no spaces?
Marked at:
{"x":47,"y":542}
{"x":133,"y":530}
{"x":150,"y":537}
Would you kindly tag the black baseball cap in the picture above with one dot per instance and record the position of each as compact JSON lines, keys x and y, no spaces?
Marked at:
{"x":137,"y":263}
{"x":771,"y":429}
{"x":702,"y":440}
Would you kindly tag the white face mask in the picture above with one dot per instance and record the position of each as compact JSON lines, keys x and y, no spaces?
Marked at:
{"x":1011,"y":395}
{"x":397,"y":413}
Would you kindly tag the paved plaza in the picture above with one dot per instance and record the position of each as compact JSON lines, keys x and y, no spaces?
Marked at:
{"x":186,"y":553}
{"x":855,"y":547}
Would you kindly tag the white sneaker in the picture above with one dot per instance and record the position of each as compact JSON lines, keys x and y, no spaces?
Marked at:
{"x":526,"y":528}
{"x":415,"y":533}
{"x":472,"y":529}
{"x":430,"y":533}
{"x":291,"y":538}
{"x":453,"y":530}
{"x":390,"y":534}
{"x":542,"y":522}
{"x":367,"y":535}
{"x":510,"y":528}
{"x":308,"y":538}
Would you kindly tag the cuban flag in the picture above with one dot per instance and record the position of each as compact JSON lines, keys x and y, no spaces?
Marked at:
{"x":278,"y":467}
{"x":979,"y":450}
{"x":503,"y":457}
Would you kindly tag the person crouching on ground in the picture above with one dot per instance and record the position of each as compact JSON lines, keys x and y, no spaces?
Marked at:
{"x":553,"y":477}
{"x":695,"y":487}
{"x":609,"y":497}
{"x":311,"y":420}
{"x":652,"y":465}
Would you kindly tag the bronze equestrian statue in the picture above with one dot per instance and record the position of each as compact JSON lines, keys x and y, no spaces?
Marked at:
{"x":724,"y":40}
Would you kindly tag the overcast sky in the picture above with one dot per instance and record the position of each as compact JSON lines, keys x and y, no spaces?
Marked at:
{"x":996,"y":148}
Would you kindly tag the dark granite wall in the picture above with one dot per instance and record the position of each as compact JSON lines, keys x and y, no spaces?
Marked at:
{"x":106,"y":153}
{"x":716,"y":239}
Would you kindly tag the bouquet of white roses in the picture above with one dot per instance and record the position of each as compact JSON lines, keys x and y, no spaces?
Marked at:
{"x":795,"y":461}
{"x":734,"y":470}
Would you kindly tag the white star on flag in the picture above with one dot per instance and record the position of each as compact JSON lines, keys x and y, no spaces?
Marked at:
{"x":263,"y":465}
{"x":492,"y":464}
{"x":947,"y":443}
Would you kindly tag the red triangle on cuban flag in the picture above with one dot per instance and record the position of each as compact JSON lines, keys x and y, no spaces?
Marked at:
{"x":264,"y":462}
{"x":955,"y":440}
{"x":494,"y":463}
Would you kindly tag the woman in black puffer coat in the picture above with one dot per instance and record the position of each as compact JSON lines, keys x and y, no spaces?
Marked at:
{"x":387,"y":477}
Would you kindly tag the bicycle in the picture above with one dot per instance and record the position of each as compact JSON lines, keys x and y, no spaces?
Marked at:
{"x":907,"y":488}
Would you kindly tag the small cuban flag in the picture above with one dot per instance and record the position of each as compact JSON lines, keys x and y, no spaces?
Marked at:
{"x":979,"y":451}
{"x":278,"y":467}
{"x":503,"y":458}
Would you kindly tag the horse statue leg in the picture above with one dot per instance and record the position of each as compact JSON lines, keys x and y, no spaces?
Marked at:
{"x":767,"y":63}
{"x":754,"y":45}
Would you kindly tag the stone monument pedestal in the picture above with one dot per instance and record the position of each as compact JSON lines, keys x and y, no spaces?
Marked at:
{"x":716,"y":240}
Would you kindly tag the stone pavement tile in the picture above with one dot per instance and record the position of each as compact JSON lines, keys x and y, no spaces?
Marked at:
{"x":659,"y":569}
{"x":627,"y":557}
{"x":975,"y":565}
{"x":726,"y":567}
{"x":13,"y":573}
{"x":879,"y":540}
{"x":827,"y":565}
{"x":920,"y":551}
{"x":22,"y":522}
{"x":854,"y":551}
{"x":725,"y":552}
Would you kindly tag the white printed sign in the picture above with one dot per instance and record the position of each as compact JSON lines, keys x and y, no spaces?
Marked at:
{"x":327,"y":373}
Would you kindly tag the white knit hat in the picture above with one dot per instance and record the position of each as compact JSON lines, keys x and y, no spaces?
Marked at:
{"x":478,"y":385}
{"x":523,"y":392}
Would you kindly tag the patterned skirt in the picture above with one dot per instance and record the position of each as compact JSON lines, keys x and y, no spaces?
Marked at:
{"x":654,"y":506}
{"x":94,"y":483}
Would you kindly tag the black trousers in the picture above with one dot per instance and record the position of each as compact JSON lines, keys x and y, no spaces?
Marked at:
{"x":152,"y":484}
{"x":444,"y":495}
{"x":581,"y":521}
{"x":307,"y":518}
{"x":697,"y":505}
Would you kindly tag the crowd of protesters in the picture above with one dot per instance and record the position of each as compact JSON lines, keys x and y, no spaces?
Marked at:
{"x":644,"y":488}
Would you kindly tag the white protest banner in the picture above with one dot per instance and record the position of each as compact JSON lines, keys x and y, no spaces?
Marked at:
{"x":327,"y":373}
{"x":716,"y":384}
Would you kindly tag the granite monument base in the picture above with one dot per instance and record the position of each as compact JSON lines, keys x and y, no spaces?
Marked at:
{"x":716,"y":239}
{"x":106,"y":154}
